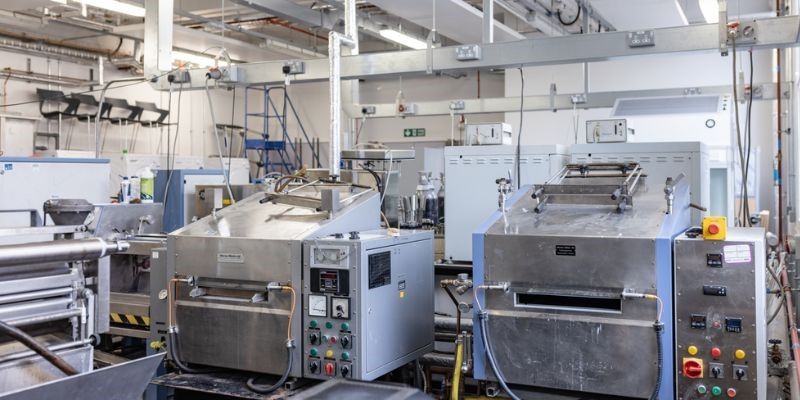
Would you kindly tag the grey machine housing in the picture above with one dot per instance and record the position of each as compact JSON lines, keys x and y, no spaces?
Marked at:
{"x":227,"y":318}
{"x":367,"y":303}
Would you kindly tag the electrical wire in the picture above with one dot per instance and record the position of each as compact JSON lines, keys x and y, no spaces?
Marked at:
{"x":251,"y":383}
{"x":740,"y":146}
{"x":171,"y":167}
{"x":517,"y":160}
{"x":31,"y":343}
{"x":225,"y":174}
{"x":64,"y":96}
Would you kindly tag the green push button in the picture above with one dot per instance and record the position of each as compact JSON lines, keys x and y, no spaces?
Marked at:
{"x":345,"y":326}
{"x":345,"y":356}
{"x":313,"y":323}
{"x":716,"y":391}
{"x":329,"y":325}
{"x":702,"y":389}
{"x":313,"y":352}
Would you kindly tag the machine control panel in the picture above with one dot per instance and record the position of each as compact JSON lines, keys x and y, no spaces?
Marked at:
{"x":355,"y":303}
{"x":719,"y":320}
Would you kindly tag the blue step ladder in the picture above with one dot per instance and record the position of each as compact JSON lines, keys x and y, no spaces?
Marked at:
{"x":278,"y":150}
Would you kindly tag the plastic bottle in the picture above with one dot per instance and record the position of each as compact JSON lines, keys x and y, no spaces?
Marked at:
{"x":124,"y":190}
{"x":428,"y":203}
{"x":147,"y":185}
{"x":136,"y":188}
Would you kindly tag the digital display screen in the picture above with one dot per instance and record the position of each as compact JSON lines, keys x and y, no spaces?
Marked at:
{"x":329,"y":281}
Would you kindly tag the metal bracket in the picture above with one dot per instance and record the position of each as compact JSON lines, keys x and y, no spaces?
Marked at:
{"x":723,"y":27}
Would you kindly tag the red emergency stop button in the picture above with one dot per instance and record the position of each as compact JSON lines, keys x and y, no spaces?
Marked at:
{"x":713,"y":229}
{"x":692,"y":368}
{"x":716,"y":352}
{"x":731,"y":392}
{"x":330,"y":369}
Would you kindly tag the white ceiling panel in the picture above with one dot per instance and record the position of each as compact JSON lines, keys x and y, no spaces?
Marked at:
{"x":640,"y":14}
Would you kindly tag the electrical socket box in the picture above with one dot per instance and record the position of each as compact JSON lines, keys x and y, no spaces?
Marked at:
{"x":294,"y":67}
{"x":406,"y":109}
{"x":232,"y":74}
{"x":606,"y":131}
{"x":746,"y":34}
{"x":641,"y":39}
{"x":180,"y":76}
{"x":468,"y":52}
{"x":488,"y":134}
{"x":457,"y":105}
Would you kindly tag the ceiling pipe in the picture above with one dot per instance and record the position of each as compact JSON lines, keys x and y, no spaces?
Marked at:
{"x":335,"y":42}
{"x":267,"y":41}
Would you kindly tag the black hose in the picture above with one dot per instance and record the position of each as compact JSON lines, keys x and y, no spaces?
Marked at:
{"x":252,"y":385}
{"x":31,"y":343}
{"x":173,"y":348}
{"x":378,"y":180}
{"x":659,"y":329}
{"x":568,"y":23}
{"x":490,"y":356}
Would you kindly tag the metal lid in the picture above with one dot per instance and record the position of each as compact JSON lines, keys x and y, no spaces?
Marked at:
{"x":378,"y":154}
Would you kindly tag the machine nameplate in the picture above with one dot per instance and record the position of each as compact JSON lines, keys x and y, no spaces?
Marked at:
{"x":737,"y":253}
{"x":565,"y":250}
{"x":234,"y":258}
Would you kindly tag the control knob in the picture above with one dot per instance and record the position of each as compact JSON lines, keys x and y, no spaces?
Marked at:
{"x":313,"y":366}
{"x":345,"y":371}
{"x":345,"y":341}
{"x":313,"y":338}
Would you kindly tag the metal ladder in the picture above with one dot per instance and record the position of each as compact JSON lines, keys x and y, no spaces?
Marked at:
{"x":278,"y":151}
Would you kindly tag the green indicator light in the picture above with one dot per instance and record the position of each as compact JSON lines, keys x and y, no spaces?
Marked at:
{"x":716,"y":391}
{"x":329,"y":325}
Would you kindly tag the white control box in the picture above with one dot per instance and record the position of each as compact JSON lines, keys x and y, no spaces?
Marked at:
{"x":606,"y":131}
{"x":488,"y":134}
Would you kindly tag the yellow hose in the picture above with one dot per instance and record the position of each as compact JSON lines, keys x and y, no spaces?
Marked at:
{"x":454,"y":390}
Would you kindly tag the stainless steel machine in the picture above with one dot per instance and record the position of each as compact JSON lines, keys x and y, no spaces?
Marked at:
{"x":226,"y":313}
{"x":139,"y":225}
{"x":568,"y":281}
{"x":368,"y":303}
{"x":56,"y":293}
{"x":720,"y":311}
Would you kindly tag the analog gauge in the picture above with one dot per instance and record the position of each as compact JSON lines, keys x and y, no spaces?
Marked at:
{"x":317,"y":306}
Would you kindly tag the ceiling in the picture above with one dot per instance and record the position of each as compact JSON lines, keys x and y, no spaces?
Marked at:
{"x":254,"y":30}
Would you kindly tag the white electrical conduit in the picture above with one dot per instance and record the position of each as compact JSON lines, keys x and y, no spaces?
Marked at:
{"x":219,"y":146}
{"x":335,"y":42}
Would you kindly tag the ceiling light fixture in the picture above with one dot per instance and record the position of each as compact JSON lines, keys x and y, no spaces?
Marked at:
{"x":110,"y":5}
{"x":710,"y":10}
{"x":403,"y":39}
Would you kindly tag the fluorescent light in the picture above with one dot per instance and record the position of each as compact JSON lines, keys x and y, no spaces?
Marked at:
{"x":202,"y":61}
{"x":402,"y":38}
{"x":115,"y":6}
{"x":710,"y":10}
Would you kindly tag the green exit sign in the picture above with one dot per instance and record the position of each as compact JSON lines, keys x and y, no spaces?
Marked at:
{"x":413,"y":132}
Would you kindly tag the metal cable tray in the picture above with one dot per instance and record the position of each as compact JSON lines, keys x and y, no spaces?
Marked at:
{"x":591,"y":184}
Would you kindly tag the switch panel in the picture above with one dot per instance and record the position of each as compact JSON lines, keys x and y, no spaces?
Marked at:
{"x":358,"y":323}
{"x":720,"y":315}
